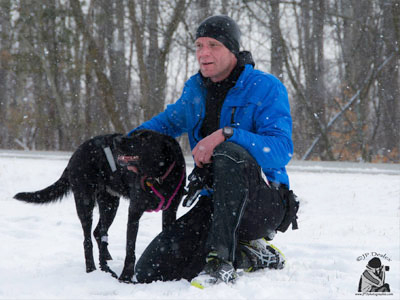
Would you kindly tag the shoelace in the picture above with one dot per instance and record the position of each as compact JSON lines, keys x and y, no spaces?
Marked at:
{"x":265,"y":257}
{"x":227,"y":276}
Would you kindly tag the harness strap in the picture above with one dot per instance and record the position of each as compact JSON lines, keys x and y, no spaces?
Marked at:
{"x":160,"y":206}
{"x":110,"y":158}
{"x":143,"y":179}
{"x":168,"y":171}
{"x":127,"y":159}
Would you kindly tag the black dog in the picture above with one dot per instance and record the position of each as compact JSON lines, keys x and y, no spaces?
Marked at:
{"x":147,"y":167}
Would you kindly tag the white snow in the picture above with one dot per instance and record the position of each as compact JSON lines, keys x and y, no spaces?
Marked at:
{"x":346,"y":217}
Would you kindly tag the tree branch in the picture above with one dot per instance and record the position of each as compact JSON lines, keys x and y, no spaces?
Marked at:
{"x":372,"y":75}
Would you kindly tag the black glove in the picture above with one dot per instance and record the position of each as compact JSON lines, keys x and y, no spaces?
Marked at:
{"x":199,"y":179}
{"x":292,"y":207}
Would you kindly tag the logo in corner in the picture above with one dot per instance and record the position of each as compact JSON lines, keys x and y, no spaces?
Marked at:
{"x":372,"y":279}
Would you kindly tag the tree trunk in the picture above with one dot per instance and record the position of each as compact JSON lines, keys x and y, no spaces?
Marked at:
{"x":98,"y":64}
{"x":276,"y":41}
{"x":389,"y":86}
{"x":153,"y":65}
{"x":5,"y":58}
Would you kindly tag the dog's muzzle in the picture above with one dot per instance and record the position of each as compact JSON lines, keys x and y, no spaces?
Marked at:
{"x":128,"y":160}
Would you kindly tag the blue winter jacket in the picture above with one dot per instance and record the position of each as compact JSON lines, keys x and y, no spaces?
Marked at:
{"x":258,"y":109}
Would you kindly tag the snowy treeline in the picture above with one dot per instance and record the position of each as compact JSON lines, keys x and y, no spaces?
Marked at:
{"x":71,"y":69}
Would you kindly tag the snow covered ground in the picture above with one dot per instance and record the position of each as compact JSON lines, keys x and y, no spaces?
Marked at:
{"x":349,"y":213}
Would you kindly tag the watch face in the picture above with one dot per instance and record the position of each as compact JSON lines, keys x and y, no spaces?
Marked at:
{"x":228,"y":132}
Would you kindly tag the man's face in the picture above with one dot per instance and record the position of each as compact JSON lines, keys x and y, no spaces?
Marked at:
{"x":215,"y":60}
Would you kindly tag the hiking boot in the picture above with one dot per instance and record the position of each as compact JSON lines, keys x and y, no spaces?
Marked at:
{"x":259,"y":254}
{"x":216,"y":270}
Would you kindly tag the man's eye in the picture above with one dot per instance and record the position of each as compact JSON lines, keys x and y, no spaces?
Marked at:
{"x":214,"y":45}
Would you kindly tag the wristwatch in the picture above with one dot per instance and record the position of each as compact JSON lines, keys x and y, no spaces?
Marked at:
{"x":227,"y":132}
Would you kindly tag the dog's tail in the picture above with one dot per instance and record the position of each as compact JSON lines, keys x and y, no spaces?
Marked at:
{"x":52,"y":193}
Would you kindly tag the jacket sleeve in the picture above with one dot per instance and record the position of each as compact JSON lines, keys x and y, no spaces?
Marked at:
{"x":270,"y":143}
{"x":172,"y":121}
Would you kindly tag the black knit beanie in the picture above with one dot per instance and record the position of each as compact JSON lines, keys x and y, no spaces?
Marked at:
{"x":223,"y":29}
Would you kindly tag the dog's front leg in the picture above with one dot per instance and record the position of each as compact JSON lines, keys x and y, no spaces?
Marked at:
{"x":169,"y":216}
{"x":131,"y":234}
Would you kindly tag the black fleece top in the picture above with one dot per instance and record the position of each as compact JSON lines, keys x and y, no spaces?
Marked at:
{"x":217,"y":91}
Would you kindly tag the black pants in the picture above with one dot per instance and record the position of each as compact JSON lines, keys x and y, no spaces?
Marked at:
{"x":242,"y":207}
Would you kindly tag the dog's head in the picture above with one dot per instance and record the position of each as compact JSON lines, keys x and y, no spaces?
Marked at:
{"x":150,"y":152}
{"x":158,"y":164}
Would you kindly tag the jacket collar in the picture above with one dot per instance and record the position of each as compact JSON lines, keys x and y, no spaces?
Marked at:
{"x":242,"y":78}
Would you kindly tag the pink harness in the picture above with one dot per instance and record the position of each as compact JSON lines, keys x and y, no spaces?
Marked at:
{"x":162,"y":198}
{"x":127,"y":159}
{"x":158,"y":194}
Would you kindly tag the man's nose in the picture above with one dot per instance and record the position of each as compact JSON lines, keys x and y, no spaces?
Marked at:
{"x":203,"y":51}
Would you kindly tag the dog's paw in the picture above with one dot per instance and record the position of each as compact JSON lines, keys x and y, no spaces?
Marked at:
{"x":126,"y":278}
{"x":106,"y":268}
{"x":127,"y":281}
{"x":90,"y":268}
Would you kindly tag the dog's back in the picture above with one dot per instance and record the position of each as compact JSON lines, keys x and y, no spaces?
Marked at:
{"x":86,"y":165}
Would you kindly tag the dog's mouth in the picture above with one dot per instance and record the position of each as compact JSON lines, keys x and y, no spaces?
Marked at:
{"x":128,"y":160}
{"x":133,"y":169}
{"x":131,"y":162}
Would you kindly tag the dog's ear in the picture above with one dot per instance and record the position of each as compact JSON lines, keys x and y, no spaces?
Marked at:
{"x":126,"y":145}
{"x":137,"y":132}
{"x":149,"y":147}
{"x":172,"y":150}
{"x":145,"y":134}
{"x":118,"y":140}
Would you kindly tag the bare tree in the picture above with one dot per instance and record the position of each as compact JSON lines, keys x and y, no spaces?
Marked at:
{"x":389,"y":86}
{"x":5,"y":57}
{"x":73,"y":69}
{"x":152,"y":60}
{"x":276,"y":40}
{"x":99,"y":66}
{"x":114,"y":12}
